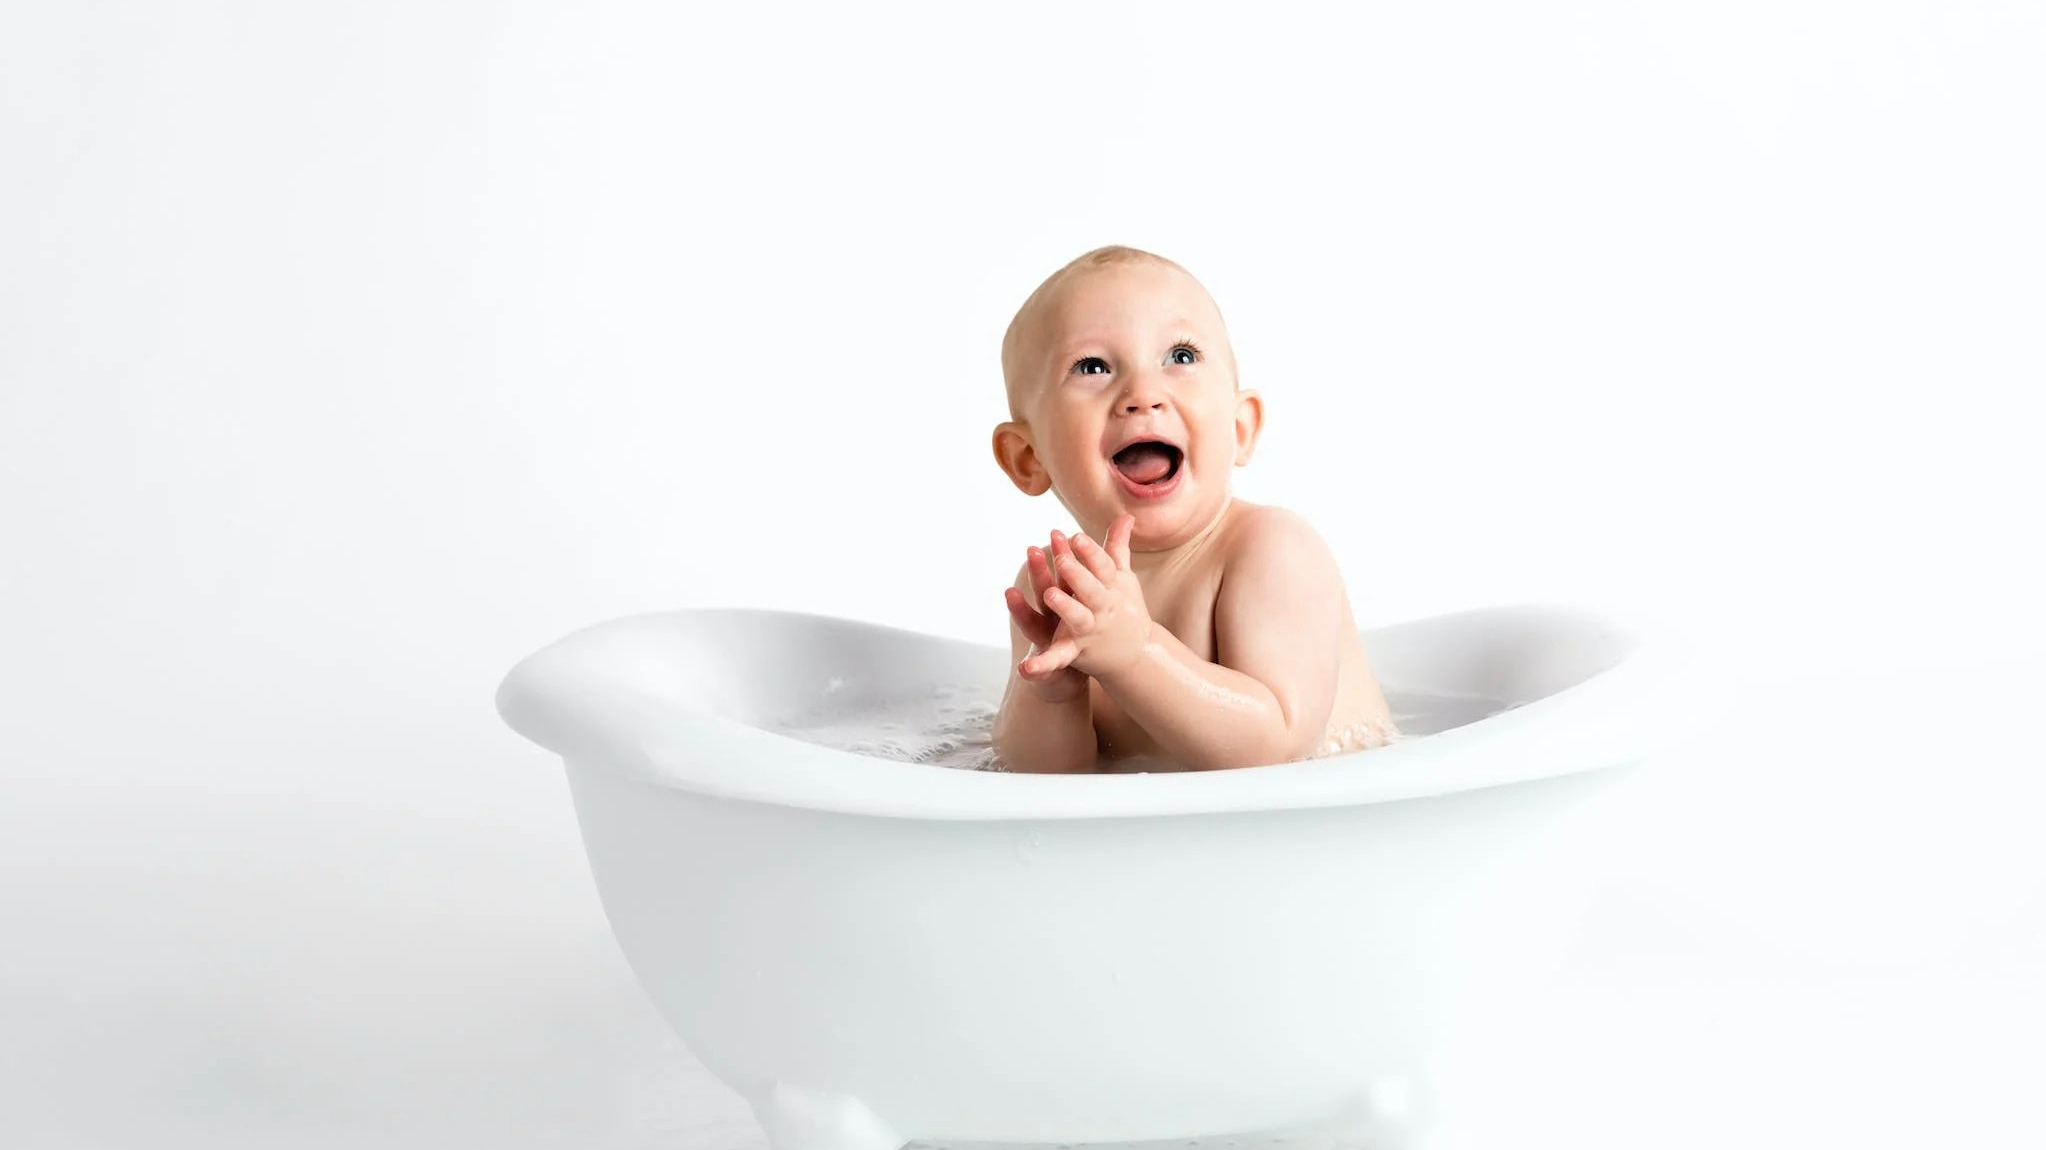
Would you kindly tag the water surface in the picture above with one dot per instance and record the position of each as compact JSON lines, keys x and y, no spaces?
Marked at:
{"x":954,"y":726}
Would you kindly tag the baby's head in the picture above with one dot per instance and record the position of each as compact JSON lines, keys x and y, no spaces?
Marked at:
{"x":1121,"y":347}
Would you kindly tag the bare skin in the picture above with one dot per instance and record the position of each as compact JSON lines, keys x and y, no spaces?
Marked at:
{"x":1182,"y":627}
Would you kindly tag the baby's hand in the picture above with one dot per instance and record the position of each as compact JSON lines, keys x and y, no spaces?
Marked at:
{"x":1058,"y":684}
{"x":1103,"y":622}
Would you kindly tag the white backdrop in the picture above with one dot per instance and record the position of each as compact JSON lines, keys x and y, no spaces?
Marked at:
{"x":350,"y":352}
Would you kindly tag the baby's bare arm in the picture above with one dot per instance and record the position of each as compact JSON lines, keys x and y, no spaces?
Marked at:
{"x":1278,"y":646}
{"x":1032,"y":735}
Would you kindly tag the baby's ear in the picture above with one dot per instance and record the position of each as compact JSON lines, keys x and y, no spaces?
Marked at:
{"x":1250,"y":419}
{"x":1018,"y":458}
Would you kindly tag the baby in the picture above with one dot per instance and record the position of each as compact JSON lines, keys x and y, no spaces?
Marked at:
{"x":1181,"y":626}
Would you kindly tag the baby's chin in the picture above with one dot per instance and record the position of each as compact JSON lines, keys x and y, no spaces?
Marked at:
{"x":1166,"y":513}
{"x":1171,"y":519}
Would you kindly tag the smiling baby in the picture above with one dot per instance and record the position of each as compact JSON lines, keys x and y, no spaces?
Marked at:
{"x":1182,"y":627}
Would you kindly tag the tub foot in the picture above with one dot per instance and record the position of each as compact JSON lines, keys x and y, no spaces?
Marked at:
{"x":797,"y":1119}
{"x":1393,"y":1113}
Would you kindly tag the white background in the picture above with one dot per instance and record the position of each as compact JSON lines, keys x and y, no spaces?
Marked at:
{"x":350,"y":352}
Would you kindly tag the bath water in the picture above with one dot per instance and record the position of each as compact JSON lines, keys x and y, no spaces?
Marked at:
{"x":954,"y":726}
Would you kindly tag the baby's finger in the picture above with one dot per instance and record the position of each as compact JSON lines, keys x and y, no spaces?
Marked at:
{"x":1042,"y":576}
{"x":1056,"y":657}
{"x":1119,"y":540}
{"x":1081,"y":582}
{"x":1060,"y":548}
{"x":1098,"y":561}
{"x":1032,"y":623}
{"x":1074,"y":612}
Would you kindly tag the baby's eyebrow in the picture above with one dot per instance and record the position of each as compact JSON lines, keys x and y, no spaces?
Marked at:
{"x":1177,"y":328}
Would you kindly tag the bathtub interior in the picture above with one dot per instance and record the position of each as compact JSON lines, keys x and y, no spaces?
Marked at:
{"x":1518,"y":655}
{"x":691,"y":697}
{"x":749,"y":665}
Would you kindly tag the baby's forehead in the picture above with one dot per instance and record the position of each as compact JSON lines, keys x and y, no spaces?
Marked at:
{"x":1097,"y":294}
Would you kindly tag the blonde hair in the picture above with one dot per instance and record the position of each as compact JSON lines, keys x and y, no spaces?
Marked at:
{"x":1019,"y":325}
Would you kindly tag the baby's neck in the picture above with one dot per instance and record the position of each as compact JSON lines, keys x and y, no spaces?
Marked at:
{"x":1148,"y":563}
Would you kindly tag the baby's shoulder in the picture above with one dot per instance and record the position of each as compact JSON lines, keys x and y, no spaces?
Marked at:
{"x":1270,"y":551}
{"x":1261,"y":532}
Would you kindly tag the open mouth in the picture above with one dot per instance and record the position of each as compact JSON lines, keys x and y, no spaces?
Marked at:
{"x":1149,"y":462}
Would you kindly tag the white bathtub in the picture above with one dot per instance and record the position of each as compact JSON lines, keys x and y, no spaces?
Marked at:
{"x":877,"y":952}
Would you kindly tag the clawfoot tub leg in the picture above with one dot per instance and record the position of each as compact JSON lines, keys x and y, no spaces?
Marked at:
{"x":1394,"y":1113}
{"x":797,"y":1119}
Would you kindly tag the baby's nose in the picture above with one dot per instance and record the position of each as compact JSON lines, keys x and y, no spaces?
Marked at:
{"x":1142,"y":391}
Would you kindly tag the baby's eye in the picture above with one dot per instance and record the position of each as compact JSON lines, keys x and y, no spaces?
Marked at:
{"x":1192,"y":353}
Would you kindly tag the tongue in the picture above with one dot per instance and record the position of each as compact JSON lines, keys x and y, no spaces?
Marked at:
{"x":1144,"y":462}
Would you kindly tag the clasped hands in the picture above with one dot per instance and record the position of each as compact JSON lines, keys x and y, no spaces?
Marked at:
{"x":1094,"y":623}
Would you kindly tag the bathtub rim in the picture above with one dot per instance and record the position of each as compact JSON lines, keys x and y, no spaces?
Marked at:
{"x":1612,"y":718}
